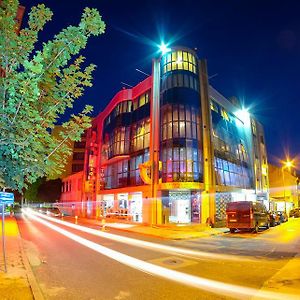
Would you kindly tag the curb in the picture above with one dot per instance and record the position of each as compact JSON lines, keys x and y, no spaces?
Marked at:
{"x":35,"y":289}
{"x":202,"y":235}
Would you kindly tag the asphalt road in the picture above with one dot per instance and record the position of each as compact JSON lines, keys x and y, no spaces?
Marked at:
{"x":65,"y":269}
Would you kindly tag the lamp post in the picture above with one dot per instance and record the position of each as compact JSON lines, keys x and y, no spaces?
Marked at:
{"x":286,"y":164}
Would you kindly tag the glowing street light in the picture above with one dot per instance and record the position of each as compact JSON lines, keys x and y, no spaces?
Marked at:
{"x":164,"y":48}
{"x":286,"y":164}
{"x":243,"y":114}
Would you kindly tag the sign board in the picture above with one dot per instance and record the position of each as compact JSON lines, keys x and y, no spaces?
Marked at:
{"x":6,"y":198}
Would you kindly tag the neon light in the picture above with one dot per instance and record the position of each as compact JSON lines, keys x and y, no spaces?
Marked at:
{"x":179,"y":277}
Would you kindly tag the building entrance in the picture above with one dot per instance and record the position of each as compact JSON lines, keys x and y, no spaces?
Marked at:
{"x":180,"y":206}
{"x":135,"y":208}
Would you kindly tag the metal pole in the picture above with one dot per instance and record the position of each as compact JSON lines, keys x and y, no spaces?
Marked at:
{"x":282,"y":169}
{"x":3,"y":238}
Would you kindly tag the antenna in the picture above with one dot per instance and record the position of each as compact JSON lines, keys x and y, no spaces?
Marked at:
{"x":142,"y":72}
{"x":126,"y":84}
{"x":212,"y":76}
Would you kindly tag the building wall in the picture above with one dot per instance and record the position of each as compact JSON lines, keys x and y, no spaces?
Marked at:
{"x":283,"y":188}
{"x":148,"y":153}
{"x":75,"y":161}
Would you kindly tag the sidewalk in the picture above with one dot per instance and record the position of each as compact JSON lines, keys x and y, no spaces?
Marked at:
{"x":170,"y":231}
{"x":18,"y":282}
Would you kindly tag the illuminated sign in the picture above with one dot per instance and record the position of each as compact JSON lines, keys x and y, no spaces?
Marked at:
{"x":180,"y":185}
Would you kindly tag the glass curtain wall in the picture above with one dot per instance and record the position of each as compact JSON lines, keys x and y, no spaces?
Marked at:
{"x":181,"y":142}
{"x":181,"y":137}
{"x":232,"y":164}
{"x":126,"y":132}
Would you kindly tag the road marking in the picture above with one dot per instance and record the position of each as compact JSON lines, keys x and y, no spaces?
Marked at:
{"x":209,"y":285}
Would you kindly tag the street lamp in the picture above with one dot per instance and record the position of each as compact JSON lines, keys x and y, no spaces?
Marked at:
{"x":164,"y":48}
{"x":286,"y":164}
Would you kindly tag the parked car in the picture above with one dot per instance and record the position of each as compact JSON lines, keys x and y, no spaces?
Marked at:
{"x":246,"y":215}
{"x":53,"y":211}
{"x":295,"y":213}
{"x":283,"y":216}
{"x":274,"y":218}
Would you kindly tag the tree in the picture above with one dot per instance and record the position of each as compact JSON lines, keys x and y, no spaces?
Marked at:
{"x":31,"y":193}
{"x":37,"y":88}
{"x":43,"y":190}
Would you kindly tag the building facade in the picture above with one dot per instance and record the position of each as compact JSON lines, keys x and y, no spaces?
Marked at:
{"x":284,"y":193}
{"x":172,"y":150}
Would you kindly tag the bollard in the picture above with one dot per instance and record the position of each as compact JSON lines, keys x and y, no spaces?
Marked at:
{"x":103,"y":225}
{"x":76,"y":219}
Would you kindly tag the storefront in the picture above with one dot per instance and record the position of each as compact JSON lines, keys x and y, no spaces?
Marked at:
{"x":136,"y":207}
{"x":181,"y":207}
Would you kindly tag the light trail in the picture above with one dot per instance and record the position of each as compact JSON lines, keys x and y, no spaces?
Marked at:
{"x":148,"y":245}
{"x":236,"y":291}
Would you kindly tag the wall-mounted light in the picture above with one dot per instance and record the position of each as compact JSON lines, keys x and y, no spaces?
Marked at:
{"x":164,"y":48}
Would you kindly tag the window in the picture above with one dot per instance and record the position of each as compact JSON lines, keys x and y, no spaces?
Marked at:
{"x":116,"y":175}
{"x":78,"y":156}
{"x":141,"y":100}
{"x":79,"y":145}
{"x":119,"y":142}
{"x":180,"y":121}
{"x":135,"y":161}
{"x":77,"y":168}
{"x":224,"y":114}
{"x":179,"y":60}
{"x":181,"y":162}
{"x":214,"y":106}
{"x":140,"y":135}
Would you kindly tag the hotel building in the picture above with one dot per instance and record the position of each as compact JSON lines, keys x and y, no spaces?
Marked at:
{"x":172,"y":149}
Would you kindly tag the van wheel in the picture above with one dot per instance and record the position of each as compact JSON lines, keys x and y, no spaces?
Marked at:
{"x":256,"y":229}
{"x":232,"y":230}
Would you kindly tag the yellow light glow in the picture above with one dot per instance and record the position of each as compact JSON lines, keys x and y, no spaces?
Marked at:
{"x":288,"y":164}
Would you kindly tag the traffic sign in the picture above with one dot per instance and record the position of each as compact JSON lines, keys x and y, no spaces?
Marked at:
{"x":6,"y":198}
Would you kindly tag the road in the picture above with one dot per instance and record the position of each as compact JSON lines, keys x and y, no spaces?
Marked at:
{"x":66,"y":269}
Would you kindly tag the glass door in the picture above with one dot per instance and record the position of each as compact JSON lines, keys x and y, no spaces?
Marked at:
{"x":180,"y":207}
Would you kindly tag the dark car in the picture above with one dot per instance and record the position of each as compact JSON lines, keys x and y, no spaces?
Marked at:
{"x":283,"y":216}
{"x":274,"y":218}
{"x":295,"y":213}
{"x":246,"y":215}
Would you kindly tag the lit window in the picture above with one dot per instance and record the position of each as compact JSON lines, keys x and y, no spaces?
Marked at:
{"x":224,"y":114}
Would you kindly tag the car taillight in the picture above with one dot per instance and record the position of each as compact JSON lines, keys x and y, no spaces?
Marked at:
{"x":251,"y":215}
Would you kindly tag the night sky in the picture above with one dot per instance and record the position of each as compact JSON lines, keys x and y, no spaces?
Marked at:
{"x":252,"y":48}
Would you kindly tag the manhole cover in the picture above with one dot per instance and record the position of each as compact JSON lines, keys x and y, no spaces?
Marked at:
{"x":173,"y":262}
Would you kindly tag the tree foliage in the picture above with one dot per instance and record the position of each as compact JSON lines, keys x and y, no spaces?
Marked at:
{"x":35,"y":91}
